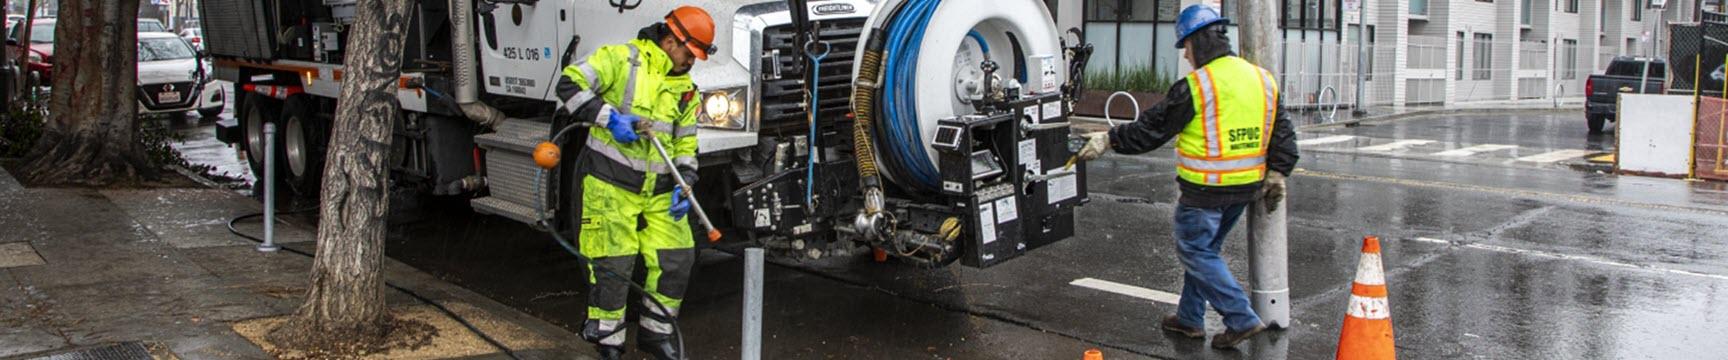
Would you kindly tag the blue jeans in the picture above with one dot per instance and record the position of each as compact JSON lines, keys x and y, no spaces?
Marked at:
{"x":1200,"y":236}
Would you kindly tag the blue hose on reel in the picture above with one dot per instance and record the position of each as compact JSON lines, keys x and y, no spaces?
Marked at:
{"x":905,"y":150}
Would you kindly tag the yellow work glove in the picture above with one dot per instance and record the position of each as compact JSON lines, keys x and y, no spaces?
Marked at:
{"x":1097,"y":144}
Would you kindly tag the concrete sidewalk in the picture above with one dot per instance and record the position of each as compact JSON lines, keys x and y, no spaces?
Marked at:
{"x":157,"y":269}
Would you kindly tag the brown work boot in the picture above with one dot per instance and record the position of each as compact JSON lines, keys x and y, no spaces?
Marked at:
{"x":1171,"y":324}
{"x":1229,"y":339}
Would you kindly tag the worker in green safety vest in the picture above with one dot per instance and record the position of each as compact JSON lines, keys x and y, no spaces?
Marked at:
{"x":1224,"y":117}
{"x":630,"y":91}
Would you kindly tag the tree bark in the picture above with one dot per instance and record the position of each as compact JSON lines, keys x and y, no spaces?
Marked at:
{"x":1259,"y":32}
{"x":346,"y":296}
{"x":91,"y":135}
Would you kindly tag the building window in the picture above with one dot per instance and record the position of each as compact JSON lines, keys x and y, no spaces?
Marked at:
{"x":1524,"y":10}
{"x":1459,"y":59}
{"x":1483,"y":66}
{"x":1571,"y":6}
{"x":1310,"y":14}
{"x":1637,"y":10}
{"x":1486,"y":1}
{"x":1569,"y":59}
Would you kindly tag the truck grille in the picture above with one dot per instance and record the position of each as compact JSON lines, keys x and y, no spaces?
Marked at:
{"x":782,"y":97}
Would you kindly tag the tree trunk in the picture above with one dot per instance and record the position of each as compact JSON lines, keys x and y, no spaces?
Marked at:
{"x":1259,"y":32}
{"x":91,"y":135}
{"x":346,"y":297}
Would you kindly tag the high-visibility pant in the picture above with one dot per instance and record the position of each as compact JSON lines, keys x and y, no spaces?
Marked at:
{"x":613,"y":236}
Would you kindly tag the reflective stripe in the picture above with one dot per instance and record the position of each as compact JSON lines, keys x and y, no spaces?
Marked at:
{"x":660,"y":126}
{"x":589,"y":74}
{"x":650,"y":320}
{"x":611,"y":327}
{"x":603,"y":117}
{"x":576,"y":101}
{"x":687,"y":162}
{"x":1243,"y":164}
{"x":1209,"y":106}
{"x":630,"y":85}
{"x":1271,"y":108}
{"x":683,"y":131}
{"x":1212,"y":179}
{"x":600,"y":147}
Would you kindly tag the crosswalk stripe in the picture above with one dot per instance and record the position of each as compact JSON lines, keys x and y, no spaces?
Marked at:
{"x":1325,"y":140}
{"x":1125,"y":289}
{"x":1554,"y":156}
{"x":1473,"y":150}
{"x":1395,"y":145}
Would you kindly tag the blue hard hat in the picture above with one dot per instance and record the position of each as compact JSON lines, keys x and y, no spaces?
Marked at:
{"x":1196,"y":17}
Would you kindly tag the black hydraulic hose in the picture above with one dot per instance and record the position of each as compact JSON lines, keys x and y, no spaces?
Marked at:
{"x":452,"y":314}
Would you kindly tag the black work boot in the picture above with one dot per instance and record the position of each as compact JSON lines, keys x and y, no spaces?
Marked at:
{"x":611,"y":352}
{"x":659,"y":345}
{"x":1172,"y":324}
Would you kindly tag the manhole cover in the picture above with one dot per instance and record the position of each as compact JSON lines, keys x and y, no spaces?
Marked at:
{"x":122,"y":351}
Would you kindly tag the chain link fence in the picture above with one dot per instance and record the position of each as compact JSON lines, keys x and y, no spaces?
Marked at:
{"x":1711,"y":152}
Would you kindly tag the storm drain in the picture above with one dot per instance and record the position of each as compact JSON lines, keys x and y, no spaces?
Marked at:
{"x":122,"y":351}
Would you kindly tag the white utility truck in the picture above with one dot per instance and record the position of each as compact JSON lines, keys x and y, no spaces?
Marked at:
{"x":939,"y":134}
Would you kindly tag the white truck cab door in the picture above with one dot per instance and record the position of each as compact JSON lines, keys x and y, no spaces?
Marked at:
{"x":520,"y":45}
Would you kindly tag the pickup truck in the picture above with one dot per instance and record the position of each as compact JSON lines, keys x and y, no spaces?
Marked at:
{"x":1602,"y":91}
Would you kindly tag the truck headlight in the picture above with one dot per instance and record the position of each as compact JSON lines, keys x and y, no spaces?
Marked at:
{"x":722,"y":109}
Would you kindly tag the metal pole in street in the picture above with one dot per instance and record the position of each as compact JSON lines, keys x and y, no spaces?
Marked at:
{"x":1361,"y":57}
{"x":269,"y":244}
{"x":752,"y":349}
{"x":1268,"y":265}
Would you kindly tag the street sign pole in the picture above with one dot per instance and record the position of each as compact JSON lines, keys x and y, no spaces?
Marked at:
{"x":1361,"y":56}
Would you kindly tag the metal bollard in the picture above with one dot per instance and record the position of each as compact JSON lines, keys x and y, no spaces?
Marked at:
{"x":752,"y":305}
{"x":269,"y":244}
{"x":1268,"y":266}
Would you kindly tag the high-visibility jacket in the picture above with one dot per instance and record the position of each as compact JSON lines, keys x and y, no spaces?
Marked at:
{"x":1234,"y":105}
{"x":632,"y":78}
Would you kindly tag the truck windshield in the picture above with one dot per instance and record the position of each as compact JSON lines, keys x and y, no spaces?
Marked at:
{"x":1631,"y":68}
{"x":163,"y":49}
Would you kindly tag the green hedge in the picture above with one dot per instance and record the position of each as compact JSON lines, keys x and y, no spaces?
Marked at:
{"x":1133,"y":79}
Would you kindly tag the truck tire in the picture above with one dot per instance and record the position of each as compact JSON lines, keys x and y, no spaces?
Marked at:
{"x":259,"y":110}
{"x":305,"y":138}
{"x":1596,"y":122}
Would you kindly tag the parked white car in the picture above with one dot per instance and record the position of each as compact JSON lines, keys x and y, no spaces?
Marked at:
{"x":173,"y":78}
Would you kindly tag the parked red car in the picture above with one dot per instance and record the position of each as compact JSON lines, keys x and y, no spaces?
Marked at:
{"x":41,"y":46}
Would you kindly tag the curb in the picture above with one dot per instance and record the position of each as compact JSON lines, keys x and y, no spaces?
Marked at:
{"x":1421,"y":113}
{"x":1394,"y":117}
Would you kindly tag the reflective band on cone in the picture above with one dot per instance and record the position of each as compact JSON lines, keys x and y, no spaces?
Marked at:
{"x":1367,"y":332}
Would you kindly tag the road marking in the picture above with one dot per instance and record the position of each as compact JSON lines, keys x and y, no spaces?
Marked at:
{"x":1553,"y":156}
{"x":1325,"y":140}
{"x":1125,"y":289}
{"x":1581,"y":258}
{"x":1473,"y":150}
{"x":1395,"y":145}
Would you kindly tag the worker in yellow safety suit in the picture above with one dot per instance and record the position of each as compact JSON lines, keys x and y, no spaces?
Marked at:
{"x":631,"y":91}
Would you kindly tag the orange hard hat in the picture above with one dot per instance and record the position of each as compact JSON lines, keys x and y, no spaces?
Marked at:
{"x":694,"y":27}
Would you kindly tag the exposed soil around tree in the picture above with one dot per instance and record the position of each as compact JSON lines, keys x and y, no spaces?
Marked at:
{"x":294,"y":341}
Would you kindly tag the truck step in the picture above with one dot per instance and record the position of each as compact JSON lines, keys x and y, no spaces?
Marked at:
{"x":513,"y":211}
{"x":511,"y":172}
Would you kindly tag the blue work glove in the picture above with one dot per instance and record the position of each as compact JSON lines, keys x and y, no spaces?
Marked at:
{"x":680,"y":205}
{"x":623,"y":127}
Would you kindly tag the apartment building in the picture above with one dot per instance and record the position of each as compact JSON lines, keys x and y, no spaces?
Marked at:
{"x":1418,"y":52}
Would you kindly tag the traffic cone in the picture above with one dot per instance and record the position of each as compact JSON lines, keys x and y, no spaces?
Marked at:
{"x":1093,"y":354}
{"x":1367,"y":332}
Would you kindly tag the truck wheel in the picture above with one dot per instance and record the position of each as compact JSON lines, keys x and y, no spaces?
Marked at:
{"x":260,"y":109}
{"x":1595,"y":122}
{"x":305,"y":137}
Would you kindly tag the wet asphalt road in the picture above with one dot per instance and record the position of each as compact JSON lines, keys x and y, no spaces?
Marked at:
{"x":1500,"y":252}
